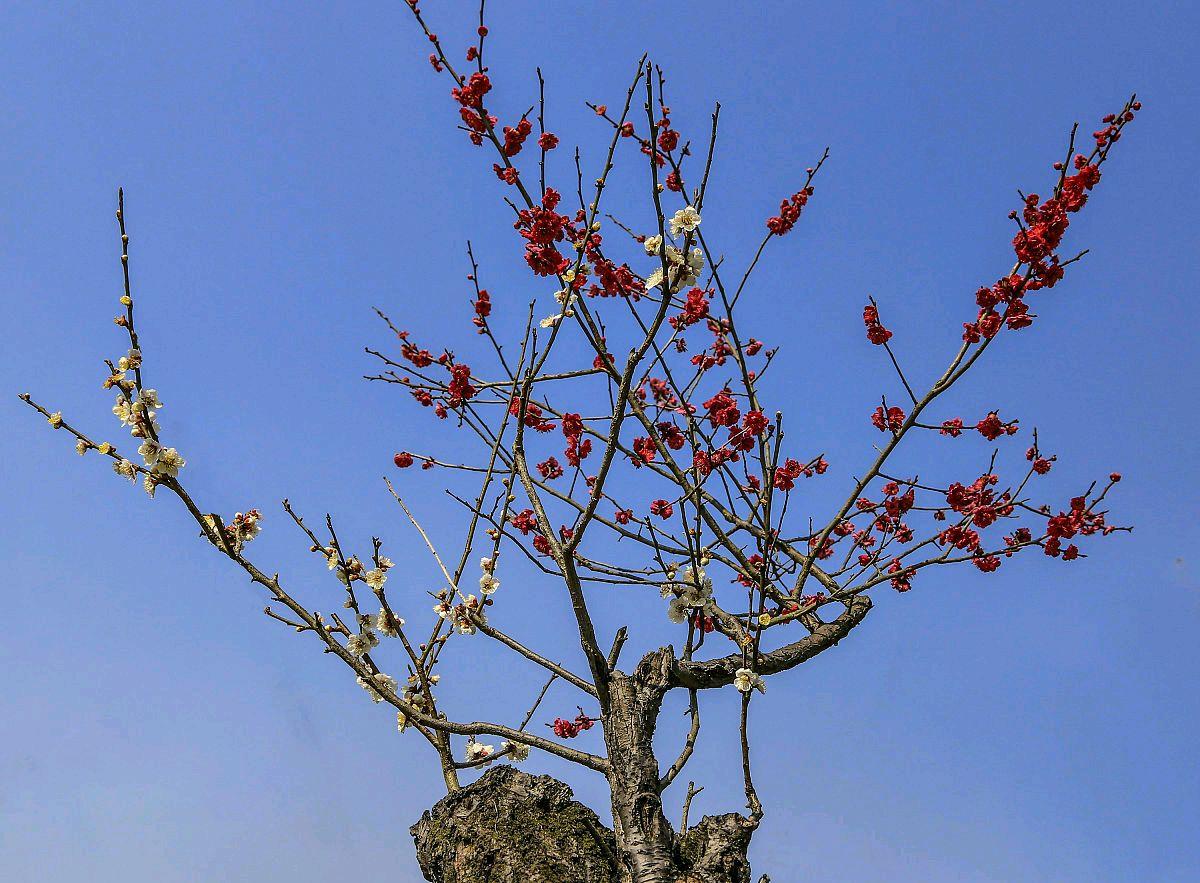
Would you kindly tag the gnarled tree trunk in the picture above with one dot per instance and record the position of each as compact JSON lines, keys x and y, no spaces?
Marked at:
{"x":510,"y":826}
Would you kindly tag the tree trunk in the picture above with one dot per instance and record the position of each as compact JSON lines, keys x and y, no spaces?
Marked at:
{"x":511,"y":827}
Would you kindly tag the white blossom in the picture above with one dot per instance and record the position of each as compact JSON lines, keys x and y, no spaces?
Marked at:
{"x":746,"y":680}
{"x":81,"y":447}
{"x":388,"y":625}
{"x":401,"y":721}
{"x":386,"y":563}
{"x":692,"y":590}
{"x":132,"y":360}
{"x":149,"y":400}
{"x":686,"y":220}
{"x":517,"y":751}
{"x":245,"y":527}
{"x":169,"y":462}
{"x":477,"y":751}
{"x":362,"y":642}
{"x":652,"y":244}
{"x":688,"y":270}
{"x":125,"y":468}
{"x":488,"y":584}
{"x":375,"y":578}
{"x":467,"y":615}
{"x":122,"y":412}
{"x":379,"y":679}
{"x":149,"y":449}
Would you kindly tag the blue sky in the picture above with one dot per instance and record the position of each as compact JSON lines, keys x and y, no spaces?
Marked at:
{"x":289,"y":166}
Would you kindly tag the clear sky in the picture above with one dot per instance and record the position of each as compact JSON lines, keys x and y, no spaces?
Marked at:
{"x":290,"y":165}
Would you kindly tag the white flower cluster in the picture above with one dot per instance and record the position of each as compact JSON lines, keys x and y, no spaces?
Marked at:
{"x":692,"y":591}
{"x":161,"y":462}
{"x":354,"y":569}
{"x":414,"y":695}
{"x":379,"y":679}
{"x":689,"y":268}
{"x":244,"y":527}
{"x":363,"y":642}
{"x":517,"y":751}
{"x":487,"y":581}
{"x":388,"y":624}
{"x":478,"y":752}
{"x":746,"y":680}
{"x":138,"y":411}
{"x":686,"y":220}
{"x":565,"y":300}
{"x":465,"y":615}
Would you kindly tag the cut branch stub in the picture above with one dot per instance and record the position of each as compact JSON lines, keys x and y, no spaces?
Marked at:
{"x":510,"y":826}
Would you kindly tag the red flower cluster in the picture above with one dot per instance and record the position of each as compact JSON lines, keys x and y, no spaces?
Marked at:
{"x":952,"y":428}
{"x":550,"y":469}
{"x":671,"y":435}
{"x":403,"y":460}
{"x":979,"y":502}
{"x":472,"y":92}
{"x":901,"y":579}
{"x":483,"y":309}
{"x":420,"y":358}
{"x":514,"y":136}
{"x":508,"y":174}
{"x":1042,"y":232}
{"x":542,"y":226}
{"x":695,"y":309}
{"x":614,"y":280}
{"x":460,"y":388}
{"x":992,"y":427}
{"x":960,"y":537}
{"x":533,"y":415}
{"x":662,"y":509}
{"x":890,"y":421}
{"x":577,"y":446}
{"x":786,"y":475}
{"x":876,"y":333}
{"x":470,"y":96}
{"x":524,"y":521}
{"x":755,"y":422}
{"x":1066,"y":525}
{"x":644,"y":451}
{"x":569,"y":729}
{"x":789,"y":212}
{"x":722,"y":409}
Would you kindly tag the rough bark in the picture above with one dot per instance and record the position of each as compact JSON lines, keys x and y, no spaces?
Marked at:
{"x":511,"y":826}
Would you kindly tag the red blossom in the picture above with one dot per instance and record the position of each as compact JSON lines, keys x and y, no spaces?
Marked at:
{"x":662,"y":509}
{"x":892,"y":421}
{"x":876,"y":333}
{"x":550,"y":469}
{"x":789,"y":212}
